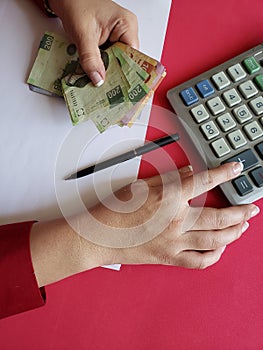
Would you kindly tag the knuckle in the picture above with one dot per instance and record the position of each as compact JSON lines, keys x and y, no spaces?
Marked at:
{"x":202,"y":263}
{"x":215,"y":242}
{"x":221,"y":220}
{"x":207,"y":261}
{"x":206,"y":178}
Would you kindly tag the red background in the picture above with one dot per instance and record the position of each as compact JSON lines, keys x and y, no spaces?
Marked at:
{"x":160,"y":307}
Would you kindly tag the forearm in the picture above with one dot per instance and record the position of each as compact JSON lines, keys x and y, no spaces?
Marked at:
{"x":58,"y":252}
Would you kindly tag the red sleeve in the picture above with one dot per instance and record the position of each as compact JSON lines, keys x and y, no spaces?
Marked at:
{"x":19,"y":289}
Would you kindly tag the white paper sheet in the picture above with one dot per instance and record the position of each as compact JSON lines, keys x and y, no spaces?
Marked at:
{"x":36,"y":132}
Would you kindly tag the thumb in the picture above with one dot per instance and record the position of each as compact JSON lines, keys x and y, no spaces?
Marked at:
{"x":90,"y":60}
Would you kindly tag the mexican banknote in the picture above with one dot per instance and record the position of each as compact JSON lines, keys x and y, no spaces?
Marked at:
{"x":131,"y":79}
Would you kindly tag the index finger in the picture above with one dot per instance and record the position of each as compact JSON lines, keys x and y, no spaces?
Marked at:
{"x":126,"y":30}
{"x":206,"y":180}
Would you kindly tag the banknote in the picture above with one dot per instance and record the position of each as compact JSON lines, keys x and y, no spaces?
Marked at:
{"x":54,"y":55}
{"x":105,"y":105}
{"x":131,"y":79}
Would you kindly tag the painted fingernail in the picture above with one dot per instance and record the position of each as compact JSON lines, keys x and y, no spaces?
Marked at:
{"x":96,"y":79}
{"x":254,"y":211}
{"x":222,"y":249}
{"x":186,"y":169}
{"x":244,"y":226}
{"x":237,"y":168}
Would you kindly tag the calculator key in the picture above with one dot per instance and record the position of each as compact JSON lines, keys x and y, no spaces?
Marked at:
{"x":259,"y":149}
{"x":236,"y":139}
{"x":220,"y":147}
{"x":209,"y":130}
{"x":242,"y":185}
{"x":216,"y":106}
{"x":226,"y":122}
{"x":232,"y":97}
{"x":251,"y":65}
{"x":204,"y":88}
{"x":189,"y":96}
{"x":253,"y":130}
{"x":236,"y":72}
{"x":220,"y":80}
{"x":247,"y":157}
{"x":248,"y":89}
{"x":199,"y":113}
{"x":257,"y":176}
{"x":257,"y":105}
{"x":259,"y":81}
{"x":242,"y":114}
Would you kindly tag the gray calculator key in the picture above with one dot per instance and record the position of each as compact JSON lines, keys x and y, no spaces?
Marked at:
{"x":248,"y":89}
{"x":236,"y":72}
{"x":199,"y":113}
{"x":216,"y":106}
{"x":257,"y":105}
{"x":253,"y":130}
{"x":220,"y":80}
{"x":232,"y":97}
{"x":237,"y":139}
{"x":242,"y":114}
{"x":247,"y":157}
{"x":242,"y":185}
{"x":210,"y":130}
{"x":226,"y":122}
{"x":220,"y":147}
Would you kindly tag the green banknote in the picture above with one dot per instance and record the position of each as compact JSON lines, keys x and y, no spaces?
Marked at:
{"x":131,"y":78}
{"x":105,"y":105}
{"x":55,"y":56}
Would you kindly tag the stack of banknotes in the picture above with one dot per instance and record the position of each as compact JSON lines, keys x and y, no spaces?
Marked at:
{"x":131,"y":79}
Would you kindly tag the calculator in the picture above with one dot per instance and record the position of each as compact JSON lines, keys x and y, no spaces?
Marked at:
{"x":223,"y":109}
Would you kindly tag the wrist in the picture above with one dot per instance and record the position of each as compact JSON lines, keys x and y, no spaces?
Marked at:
{"x":58,"y":252}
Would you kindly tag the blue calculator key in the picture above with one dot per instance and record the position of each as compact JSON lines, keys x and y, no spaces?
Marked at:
{"x":205,"y":88}
{"x":189,"y":96}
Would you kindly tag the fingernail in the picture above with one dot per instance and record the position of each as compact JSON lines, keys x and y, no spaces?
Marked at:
{"x":254,"y":211}
{"x":237,"y":168}
{"x":186,"y":169}
{"x":96,"y":79}
{"x":223,"y":249}
{"x":244,"y":226}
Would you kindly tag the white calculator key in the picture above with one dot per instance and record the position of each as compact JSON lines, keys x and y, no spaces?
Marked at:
{"x":226,"y":122}
{"x":248,"y":89}
{"x":220,"y":147}
{"x":257,"y":105}
{"x":216,"y":106}
{"x":253,"y":130}
{"x":199,"y":113}
{"x":220,"y":80}
{"x":242,"y":114}
{"x":210,"y":130}
{"x":236,"y":72}
{"x":232,"y":97}
{"x":237,"y":139}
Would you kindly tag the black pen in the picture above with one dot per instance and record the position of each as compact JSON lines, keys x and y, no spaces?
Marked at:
{"x":148,"y":147}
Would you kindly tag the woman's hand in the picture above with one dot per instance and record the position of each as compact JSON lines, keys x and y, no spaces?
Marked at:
{"x":179,"y":234}
{"x":90,"y":23}
{"x":147,"y":222}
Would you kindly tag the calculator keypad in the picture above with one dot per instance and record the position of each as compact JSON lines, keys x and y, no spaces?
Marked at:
{"x":226,"y":109}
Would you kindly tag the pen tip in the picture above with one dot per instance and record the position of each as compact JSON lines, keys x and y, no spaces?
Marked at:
{"x":71,"y":177}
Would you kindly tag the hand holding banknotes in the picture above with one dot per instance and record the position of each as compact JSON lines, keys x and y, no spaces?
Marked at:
{"x":89,"y":24}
